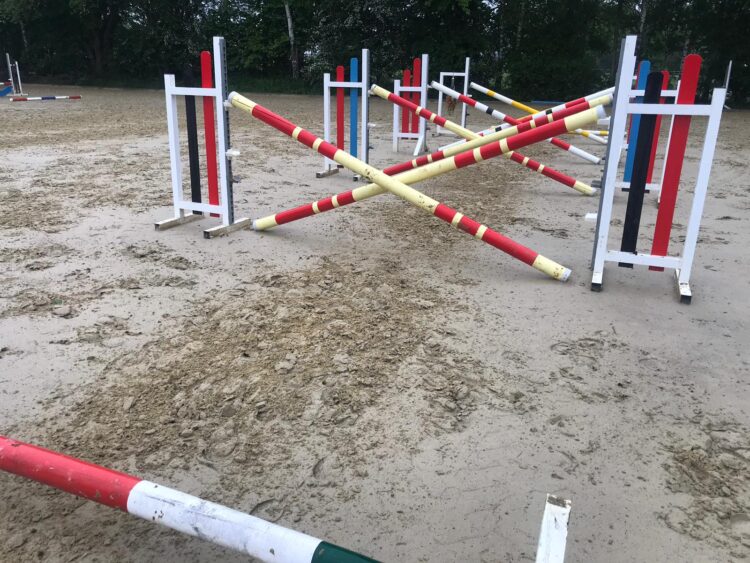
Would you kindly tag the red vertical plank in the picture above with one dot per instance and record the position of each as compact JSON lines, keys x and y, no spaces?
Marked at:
{"x":416,"y":99}
{"x":657,"y":130}
{"x":340,"y":108}
{"x":405,"y":114}
{"x":691,"y":68}
{"x":209,"y":128}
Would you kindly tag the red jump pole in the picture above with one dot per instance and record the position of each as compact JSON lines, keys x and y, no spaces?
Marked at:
{"x":691,"y":68}
{"x":405,"y":115}
{"x":340,"y":108}
{"x":209,"y":127}
{"x":416,"y":99}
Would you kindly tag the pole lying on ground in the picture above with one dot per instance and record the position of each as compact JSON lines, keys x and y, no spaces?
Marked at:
{"x":528,"y":109}
{"x":447,"y":160}
{"x":44,"y":98}
{"x":559,"y":143}
{"x":564,"y":179}
{"x":171,"y":508}
{"x":431,"y":206}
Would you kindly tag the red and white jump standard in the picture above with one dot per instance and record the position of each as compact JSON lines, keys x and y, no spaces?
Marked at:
{"x":168,"y":507}
{"x":413,"y":86}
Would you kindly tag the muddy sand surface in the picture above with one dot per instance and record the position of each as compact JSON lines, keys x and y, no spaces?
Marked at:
{"x":369,"y":376}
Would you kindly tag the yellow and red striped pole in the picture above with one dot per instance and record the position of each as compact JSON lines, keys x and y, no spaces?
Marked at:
{"x":531,"y":110}
{"x":551,"y":173}
{"x":434,"y":207}
{"x":444,"y":161}
{"x":559,"y":143}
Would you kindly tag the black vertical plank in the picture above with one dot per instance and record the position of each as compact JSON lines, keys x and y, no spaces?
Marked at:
{"x":193,"y":154}
{"x":640,"y":168}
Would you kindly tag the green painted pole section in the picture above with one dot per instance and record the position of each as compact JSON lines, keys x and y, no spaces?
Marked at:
{"x":329,"y":553}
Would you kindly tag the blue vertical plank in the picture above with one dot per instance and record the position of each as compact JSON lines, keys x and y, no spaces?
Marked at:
{"x":354,"y":101}
{"x":635,"y":122}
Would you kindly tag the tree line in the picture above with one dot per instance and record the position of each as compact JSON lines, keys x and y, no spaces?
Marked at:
{"x":549,"y":49}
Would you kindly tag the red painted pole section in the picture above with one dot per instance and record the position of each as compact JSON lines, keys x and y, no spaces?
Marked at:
{"x":416,"y":80}
{"x":209,"y":128}
{"x":405,"y":116}
{"x":657,"y":130}
{"x":68,"y":474}
{"x":340,"y":108}
{"x":691,"y":68}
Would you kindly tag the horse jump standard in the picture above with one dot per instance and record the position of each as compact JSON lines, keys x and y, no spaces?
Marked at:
{"x":358,"y":85}
{"x":216,"y":125}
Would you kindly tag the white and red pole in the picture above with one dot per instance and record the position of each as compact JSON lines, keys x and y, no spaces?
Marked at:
{"x":171,"y":508}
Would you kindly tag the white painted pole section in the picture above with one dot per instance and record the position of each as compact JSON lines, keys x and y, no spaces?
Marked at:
{"x":220,"y":525}
{"x":225,"y":199}
{"x":701,"y":185}
{"x":364,"y":134}
{"x":173,"y":132}
{"x":554,"y":533}
{"x":327,"y":163}
{"x":396,"y":115}
{"x":618,"y":117}
{"x":465,"y":108}
{"x":423,"y":87}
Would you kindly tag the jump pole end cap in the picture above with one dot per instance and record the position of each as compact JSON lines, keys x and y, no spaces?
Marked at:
{"x":255,"y":225}
{"x":565,"y":275}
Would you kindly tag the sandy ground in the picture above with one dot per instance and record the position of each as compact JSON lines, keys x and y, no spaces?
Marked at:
{"x":369,"y":376}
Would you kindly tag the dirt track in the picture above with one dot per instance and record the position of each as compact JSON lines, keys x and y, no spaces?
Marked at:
{"x":369,"y":375}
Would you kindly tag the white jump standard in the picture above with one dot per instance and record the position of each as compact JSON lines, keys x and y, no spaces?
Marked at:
{"x":186,"y":210}
{"x":413,"y":88}
{"x":358,"y":87}
{"x":683,"y":110}
{"x":453,"y":75}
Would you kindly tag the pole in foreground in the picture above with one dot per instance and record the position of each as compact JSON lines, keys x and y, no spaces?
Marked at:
{"x":418,"y":199}
{"x":171,"y":508}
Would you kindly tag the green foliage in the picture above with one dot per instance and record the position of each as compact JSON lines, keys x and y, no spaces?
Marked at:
{"x":529,"y":48}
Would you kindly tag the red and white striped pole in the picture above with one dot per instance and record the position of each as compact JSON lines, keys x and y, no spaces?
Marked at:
{"x":43,"y":98}
{"x":168,"y":507}
{"x":449,"y":159}
{"x":416,"y":198}
{"x":559,"y":143}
